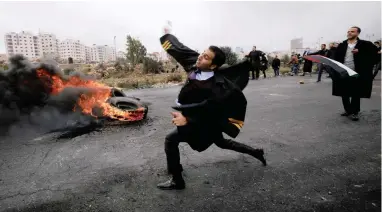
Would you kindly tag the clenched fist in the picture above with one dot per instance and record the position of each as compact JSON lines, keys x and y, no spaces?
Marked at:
{"x":178,"y":119}
{"x":167,"y":28}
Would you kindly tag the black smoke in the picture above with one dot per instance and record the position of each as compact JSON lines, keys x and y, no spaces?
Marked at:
{"x":26,"y":103}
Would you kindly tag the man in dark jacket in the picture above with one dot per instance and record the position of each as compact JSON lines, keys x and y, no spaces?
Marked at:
{"x":255,"y":58}
{"x":201,"y":126}
{"x":331,"y":54}
{"x":321,"y":67}
{"x":276,"y":66}
{"x":358,"y":55}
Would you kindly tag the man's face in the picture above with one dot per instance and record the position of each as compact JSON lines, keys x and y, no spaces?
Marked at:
{"x":323,"y":46}
{"x":352,"y":33}
{"x":205,"y":60}
{"x":254,"y":48}
{"x":331,"y":45}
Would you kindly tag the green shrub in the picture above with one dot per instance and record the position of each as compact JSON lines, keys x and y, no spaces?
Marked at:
{"x":129,"y":84}
{"x":151,"y":66}
{"x":174,"y":77}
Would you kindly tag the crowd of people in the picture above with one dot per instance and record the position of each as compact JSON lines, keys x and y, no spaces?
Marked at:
{"x":260,"y":63}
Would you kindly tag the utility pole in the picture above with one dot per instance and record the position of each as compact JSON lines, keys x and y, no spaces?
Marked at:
{"x":115,"y":48}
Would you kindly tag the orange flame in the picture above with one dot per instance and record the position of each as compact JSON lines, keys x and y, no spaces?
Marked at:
{"x":97,"y":98}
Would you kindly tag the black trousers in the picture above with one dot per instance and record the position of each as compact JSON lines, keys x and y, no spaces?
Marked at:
{"x":172,"y":149}
{"x":351,"y":104}
{"x":257,"y":70}
{"x":265,"y":76}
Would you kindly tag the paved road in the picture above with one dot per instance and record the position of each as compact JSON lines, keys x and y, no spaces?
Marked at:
{"x":318,"y":161}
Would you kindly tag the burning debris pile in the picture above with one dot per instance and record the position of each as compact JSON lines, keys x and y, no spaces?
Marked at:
{"x":41,"y":96}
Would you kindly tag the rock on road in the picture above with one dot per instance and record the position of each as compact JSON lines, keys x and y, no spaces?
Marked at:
{"x":317,"y":160}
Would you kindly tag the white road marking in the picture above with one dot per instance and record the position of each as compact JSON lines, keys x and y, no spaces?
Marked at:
{"x":277,"y":94}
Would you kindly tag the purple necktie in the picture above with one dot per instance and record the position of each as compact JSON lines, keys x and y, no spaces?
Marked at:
{"x":193,"y":74}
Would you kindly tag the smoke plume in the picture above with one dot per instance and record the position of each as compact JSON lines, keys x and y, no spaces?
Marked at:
{"x":26,"y":102}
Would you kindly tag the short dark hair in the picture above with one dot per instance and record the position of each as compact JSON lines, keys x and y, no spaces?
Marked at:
{"x":219,"y":58}
{"x":377,"y":42}
{"x":358,"y":29}
{"x":323,"y":44}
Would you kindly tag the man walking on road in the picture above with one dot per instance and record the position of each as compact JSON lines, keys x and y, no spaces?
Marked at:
{"x":276,"y":66}
{"x":358,"y":55}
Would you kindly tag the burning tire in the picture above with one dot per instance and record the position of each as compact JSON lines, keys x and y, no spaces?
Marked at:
{"x":130,"y":104}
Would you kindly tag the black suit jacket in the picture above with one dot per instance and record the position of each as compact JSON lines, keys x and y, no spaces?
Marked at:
{"x":364,"y":61}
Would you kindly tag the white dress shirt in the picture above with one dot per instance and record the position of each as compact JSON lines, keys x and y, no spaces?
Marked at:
{"x":203,"y":75}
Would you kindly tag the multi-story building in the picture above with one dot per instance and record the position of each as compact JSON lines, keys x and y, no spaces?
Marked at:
{"x":103,"y":53}
{"x":48,"y":45}
{"x":72,"y":48}
{"x":24,"y":43}
{"x":88,"y":54}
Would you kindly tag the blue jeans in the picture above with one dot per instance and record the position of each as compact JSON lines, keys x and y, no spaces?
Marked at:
{"x":295,"y":69}
{"x":277,"y":71}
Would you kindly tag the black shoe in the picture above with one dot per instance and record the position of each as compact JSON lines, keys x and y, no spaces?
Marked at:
{"x":172,"y":184}
{"x":354,"y":117}
{"x":345,"y":114}
{"x":259,"y":154}
{"x":318,"y":81}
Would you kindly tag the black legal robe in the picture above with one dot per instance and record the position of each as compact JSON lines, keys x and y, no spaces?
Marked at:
{"x":225,"y":110}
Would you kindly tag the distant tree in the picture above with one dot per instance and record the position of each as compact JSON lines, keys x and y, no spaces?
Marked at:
{"x":285,"y":59}
{"x":136,"y":51}
{"x":231,"y":57}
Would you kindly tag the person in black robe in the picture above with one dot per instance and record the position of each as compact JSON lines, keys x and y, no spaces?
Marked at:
{"x":307,"y":68}
{"x":255,"y":59}
{"x":359,"y":55}
{"x":211,"y":102}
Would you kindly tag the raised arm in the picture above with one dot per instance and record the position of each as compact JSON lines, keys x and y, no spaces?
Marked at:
{"x":181,"y":53}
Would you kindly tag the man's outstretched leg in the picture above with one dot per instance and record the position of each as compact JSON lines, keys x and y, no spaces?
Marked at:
{"x":173,"y":162}
{"x":242,"y":148}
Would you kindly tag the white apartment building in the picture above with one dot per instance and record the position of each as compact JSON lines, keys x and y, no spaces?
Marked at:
{"x":72,"y":48}
{"x":103,"y":53}
{"x":24,"y":43}
{"x":48,"y":45}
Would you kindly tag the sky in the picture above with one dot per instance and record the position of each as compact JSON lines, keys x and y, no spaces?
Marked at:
{"x":268,"y":25}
